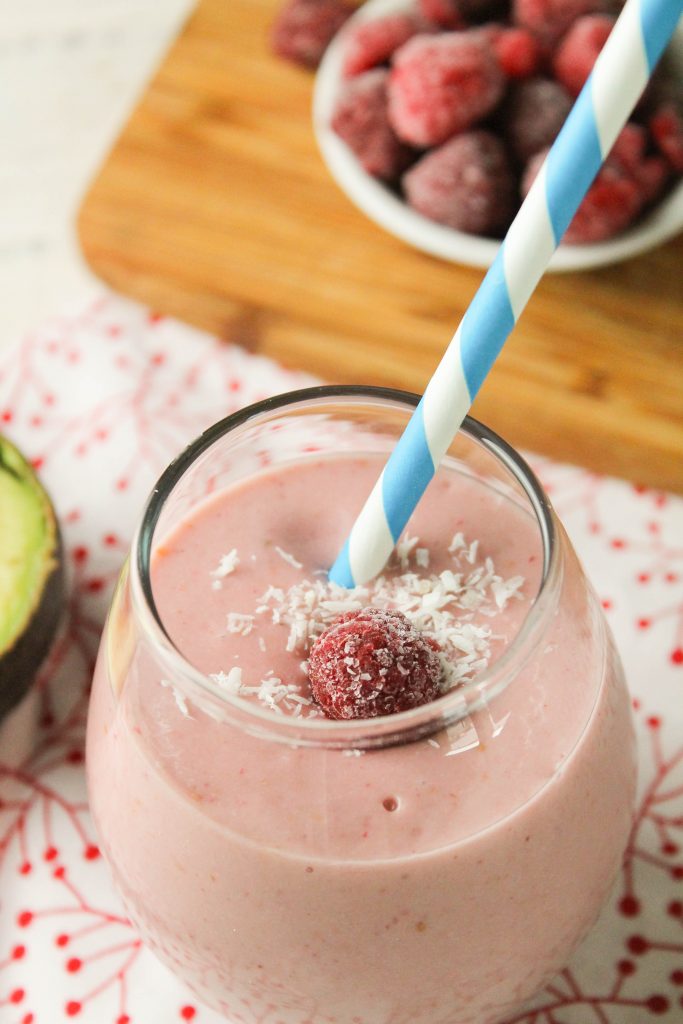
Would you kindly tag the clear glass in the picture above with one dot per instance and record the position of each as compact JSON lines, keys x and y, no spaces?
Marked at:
{"x":431,"y":867}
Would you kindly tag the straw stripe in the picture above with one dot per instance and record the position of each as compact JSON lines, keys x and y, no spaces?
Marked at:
{"x":524,"y":265}
{"x":604,"y":86}
{"x":446,"y":401}
{"x":619,"y":76}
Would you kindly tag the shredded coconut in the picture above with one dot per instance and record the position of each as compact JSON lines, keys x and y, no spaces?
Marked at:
{"x":227,"y":564}
{"x":177,"y":696}
{"x":441,"y":606}
{"x":230,"y":681}
{"x":422,"y":558}
{"x":446,"y":607}
{"x":290,"y":559}
{"x":238,"y":623}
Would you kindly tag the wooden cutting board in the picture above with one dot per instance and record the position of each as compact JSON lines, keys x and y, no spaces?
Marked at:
{"x":214,"y":206}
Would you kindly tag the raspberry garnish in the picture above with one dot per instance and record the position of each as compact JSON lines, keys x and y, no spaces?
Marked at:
{"x":440,"y":85}
{"x":579,"y":49}
{"x":466,"y":184}
{"x":304,"y":28}
{"x":373,"y":662}
{"x":373,"y":42}
{"x":361,"y":120}
{"x":536,"y":111}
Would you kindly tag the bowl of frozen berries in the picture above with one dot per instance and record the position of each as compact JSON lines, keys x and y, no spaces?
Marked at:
{"x":435,"y":115}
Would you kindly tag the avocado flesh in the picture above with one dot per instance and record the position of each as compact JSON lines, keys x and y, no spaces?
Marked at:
{"x":31,"y":583}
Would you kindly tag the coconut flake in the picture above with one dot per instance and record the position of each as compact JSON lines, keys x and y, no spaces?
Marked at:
{"x":227,"y":564}
{"x":422,"y":557}
{"x":230,"y":681}
{"x":177,"y":696}
{"x":240,"y":624}
{"x":289,"y":559}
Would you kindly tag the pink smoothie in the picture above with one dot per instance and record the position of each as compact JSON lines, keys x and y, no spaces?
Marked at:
{"x":436,"y":882}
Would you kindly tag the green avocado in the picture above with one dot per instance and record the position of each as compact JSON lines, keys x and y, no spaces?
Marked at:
{"x":31,"y":575}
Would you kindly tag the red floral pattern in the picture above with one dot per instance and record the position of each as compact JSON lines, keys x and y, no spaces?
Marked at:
{"x":101,"y":400}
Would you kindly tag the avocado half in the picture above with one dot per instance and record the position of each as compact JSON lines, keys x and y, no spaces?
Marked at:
{"x":31,"y":576}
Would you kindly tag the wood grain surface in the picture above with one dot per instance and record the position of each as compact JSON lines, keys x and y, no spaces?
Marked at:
{"x":215,"y":207}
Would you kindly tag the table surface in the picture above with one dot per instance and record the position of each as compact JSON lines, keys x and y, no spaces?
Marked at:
{"x":70,"y":72}
{"x":215,"y":206}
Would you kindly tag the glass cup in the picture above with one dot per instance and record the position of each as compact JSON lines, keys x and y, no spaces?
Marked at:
{"x":437,"y":866}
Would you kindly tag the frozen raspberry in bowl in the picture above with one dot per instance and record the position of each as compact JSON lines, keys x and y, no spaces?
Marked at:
{"x":374,"y":42}
{"x":579,"y":49}
{"x":466,"y":184}
{"x":441,"y":85}
{"x":535,"y":112}
{"x":480,"y":68}
{"x":550,"y":19}
{"x":361,"y":120}
{"x":303,"y":29}
{"x":373,"y":662}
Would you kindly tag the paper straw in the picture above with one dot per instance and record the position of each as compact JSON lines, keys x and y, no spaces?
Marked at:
{"x":618,"y":78}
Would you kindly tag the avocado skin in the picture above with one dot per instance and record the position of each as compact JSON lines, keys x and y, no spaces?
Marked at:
{"x":20,"y":662}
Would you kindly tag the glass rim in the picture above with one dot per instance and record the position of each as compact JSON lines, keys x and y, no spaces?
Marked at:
{"x":386,"y":730}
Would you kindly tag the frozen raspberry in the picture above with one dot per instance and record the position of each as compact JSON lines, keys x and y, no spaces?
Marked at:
{"x":649,"y":172}
{"x":466,"y":184}
{"x":550,"y":19}
{"x":372,"y":42}
{"x":612,"y":202}
{"x":303,"y":28}
{"x":440,"y":85}
{"x":361,"y":120}
{"x":536,"y":111}
{"x":666,"y":127}
{"x":518,"y":52}
{"x":652,"y":176}
{"x":445,"y":13}
{"x":459,"y":13}
{"x":578,"y":51}
{"x":629,"y":148}
{"x":373,"y":662}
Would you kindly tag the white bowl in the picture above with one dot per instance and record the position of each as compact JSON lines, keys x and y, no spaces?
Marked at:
{"x":391,"y":213}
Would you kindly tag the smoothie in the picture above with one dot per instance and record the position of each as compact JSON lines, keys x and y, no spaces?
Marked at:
{"x":435,"y":880}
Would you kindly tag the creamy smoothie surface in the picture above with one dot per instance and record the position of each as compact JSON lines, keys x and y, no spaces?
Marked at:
{"x":362,"y":886}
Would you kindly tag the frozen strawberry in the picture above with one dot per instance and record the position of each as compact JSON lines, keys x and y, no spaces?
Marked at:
{"x":518,"y":52}
{"x":466,"y":184}
{"x":666,"y":127}
{"x":361,"y":120}
{"x":535,"y":112}
{"x":579,"y":49}
{"x":612,"y":202}
{"x":372,"y":42}
{"x":373,"y":662}
{"x":440,"y":85}
{"x":303,"y":29}
{"x":550,"y":19}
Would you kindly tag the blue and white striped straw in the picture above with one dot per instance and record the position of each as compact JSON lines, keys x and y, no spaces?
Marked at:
{"x":618,"y":78}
